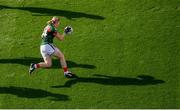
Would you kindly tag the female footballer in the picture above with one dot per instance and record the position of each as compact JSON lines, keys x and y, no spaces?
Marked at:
{"x":47,"y":48}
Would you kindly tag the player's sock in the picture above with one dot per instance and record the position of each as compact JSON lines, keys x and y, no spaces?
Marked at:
{"x":65,"y":69}
{"x":37,"y":65}
{"x":68,"y":74}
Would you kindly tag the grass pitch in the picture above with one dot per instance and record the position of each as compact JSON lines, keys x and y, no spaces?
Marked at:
{"x":125,"y":52}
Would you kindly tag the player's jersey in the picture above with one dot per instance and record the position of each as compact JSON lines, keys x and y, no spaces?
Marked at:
{"x":48,"y":34}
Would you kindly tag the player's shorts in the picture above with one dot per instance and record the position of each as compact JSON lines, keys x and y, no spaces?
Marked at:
{"x":47,"y":50}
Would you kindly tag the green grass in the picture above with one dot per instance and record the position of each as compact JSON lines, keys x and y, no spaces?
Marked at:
{"x":125,"y":52}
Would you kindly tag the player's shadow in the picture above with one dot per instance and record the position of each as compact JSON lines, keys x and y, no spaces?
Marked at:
{"x":54,"y":12}
{"x":55,"y":62}
{"x":141,"y":80}
{"x":24,"y":92}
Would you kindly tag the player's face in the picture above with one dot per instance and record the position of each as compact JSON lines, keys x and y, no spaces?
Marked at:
{"x":56,"y":24}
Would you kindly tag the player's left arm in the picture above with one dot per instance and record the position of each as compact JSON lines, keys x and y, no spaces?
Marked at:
{"x":59,"y":36}
{"x":67,"y":30}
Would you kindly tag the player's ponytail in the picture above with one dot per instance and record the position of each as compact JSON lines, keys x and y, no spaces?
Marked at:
{"x":49,"y":22}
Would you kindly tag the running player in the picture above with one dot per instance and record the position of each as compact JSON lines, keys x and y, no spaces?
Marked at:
{"x":47,"y":48}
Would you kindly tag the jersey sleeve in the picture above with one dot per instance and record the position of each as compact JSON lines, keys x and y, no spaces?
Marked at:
{"x":49,"y":29}
{"x":52,"y":30}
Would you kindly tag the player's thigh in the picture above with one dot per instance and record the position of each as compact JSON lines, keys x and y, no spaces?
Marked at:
{"x":48,"y":60}
{"x":57,"y":53}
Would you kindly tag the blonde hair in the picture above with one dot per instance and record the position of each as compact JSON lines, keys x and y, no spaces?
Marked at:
{"x":49,"y":22}
{"x":53,"y":20}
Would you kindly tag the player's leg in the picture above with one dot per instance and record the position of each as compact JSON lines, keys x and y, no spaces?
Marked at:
{"x":58,"y":54}
{"x":62,"y":59}
{"x":46,"y":52}
{"x":46,"y":64}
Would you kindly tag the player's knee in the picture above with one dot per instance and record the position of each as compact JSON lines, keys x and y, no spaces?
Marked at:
{"x":48,"y":65}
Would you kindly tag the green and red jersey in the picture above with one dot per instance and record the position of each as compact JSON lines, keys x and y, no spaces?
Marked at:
{"x":48,"y":34}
